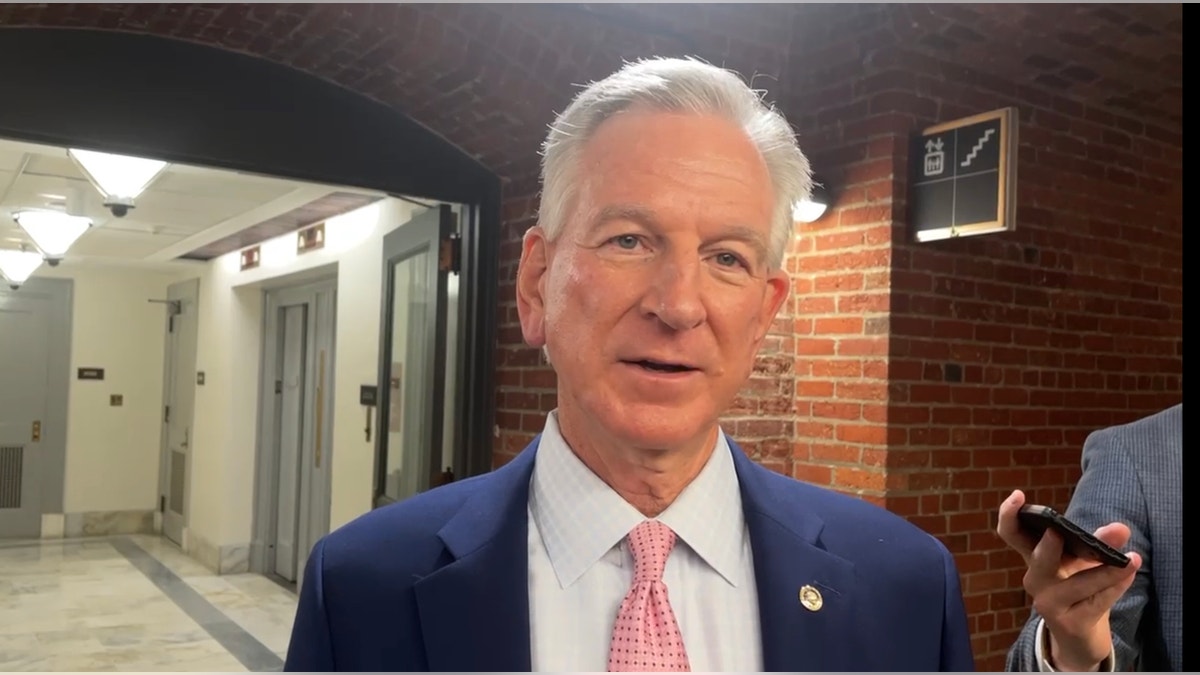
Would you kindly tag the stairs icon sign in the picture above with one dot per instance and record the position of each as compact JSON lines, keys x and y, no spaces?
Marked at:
{"x":978,"y":146}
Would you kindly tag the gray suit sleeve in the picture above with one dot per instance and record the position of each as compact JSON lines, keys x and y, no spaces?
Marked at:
{"x":1022,"y":657}
{"x":1108,"y":491}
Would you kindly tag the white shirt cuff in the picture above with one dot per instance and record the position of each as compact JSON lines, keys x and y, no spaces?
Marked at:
{"x":1041,"y":649}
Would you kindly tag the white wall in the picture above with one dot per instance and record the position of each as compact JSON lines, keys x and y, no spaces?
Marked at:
{"x":230,"y":345}
{"x":113,"y":452}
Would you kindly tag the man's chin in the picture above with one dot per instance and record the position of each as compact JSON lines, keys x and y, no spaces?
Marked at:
{"x":656,"y":428}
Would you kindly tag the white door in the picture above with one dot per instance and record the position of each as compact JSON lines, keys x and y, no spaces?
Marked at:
{"x":24,"y":334}
{"x":179,"y":395}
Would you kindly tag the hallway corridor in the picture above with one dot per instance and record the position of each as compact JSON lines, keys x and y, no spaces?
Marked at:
{"x":134,"y":603}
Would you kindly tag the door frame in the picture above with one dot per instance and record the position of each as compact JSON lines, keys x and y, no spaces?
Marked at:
{"x":190,"y":289}
{"x":423,"y":232}
{"x":264,"y":521}
{"x":59,"y":296}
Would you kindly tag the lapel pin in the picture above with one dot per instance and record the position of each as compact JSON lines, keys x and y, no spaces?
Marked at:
{"x":811,"y":598}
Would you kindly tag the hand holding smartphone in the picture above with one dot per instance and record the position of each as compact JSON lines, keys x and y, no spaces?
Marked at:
{"x":1036,"y":519}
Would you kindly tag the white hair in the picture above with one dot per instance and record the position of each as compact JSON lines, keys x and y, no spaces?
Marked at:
{"x":675,"y":85}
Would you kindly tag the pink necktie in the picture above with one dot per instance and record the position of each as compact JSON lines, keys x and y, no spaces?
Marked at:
{"x":646,"y":637}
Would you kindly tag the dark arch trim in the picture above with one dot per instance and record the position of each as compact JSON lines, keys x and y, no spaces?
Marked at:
{"x":196,"y":104}
{"x":199,"y":104}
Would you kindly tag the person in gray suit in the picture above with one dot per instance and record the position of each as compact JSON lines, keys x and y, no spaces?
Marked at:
{"x":1089,"y":617}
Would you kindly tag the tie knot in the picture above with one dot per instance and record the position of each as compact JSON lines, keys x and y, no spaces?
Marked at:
{"x":651,"y":543}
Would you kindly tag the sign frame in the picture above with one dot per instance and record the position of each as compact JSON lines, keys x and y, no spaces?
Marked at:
{"x":1004,"y":219}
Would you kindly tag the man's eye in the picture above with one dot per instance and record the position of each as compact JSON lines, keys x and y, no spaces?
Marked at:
{"x":728,"y":260}
{"x":626,"y":241}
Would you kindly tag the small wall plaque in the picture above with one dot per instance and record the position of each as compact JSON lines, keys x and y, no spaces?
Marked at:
{"x":116,"y":400}
{"x":91,"y":373}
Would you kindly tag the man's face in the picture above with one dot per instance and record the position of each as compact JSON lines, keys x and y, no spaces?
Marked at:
{"x":656,"y":295}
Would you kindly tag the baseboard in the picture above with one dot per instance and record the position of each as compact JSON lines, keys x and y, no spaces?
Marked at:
{"x":227,"y":559}
{"x":53,"y":525}
{"x":97,"y":523}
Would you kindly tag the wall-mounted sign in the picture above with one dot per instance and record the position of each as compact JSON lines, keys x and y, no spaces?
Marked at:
{"x":91,"y":373}
{"x":251,"y":257}
{"x":963,"y":177}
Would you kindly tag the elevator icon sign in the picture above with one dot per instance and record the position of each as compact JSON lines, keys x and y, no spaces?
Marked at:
{"x":935,"y":159}
{"x":962,"y":177}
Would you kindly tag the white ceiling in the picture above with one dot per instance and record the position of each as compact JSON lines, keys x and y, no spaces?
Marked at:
{"x":185,"y":208}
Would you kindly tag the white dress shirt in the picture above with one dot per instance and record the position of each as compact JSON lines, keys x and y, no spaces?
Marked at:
{"x":580,"y":566}
{"x":1041,"y":646}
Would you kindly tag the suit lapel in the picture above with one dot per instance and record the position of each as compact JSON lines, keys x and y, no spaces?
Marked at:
{"x":785,"y":539}
{"x":475,"y":611}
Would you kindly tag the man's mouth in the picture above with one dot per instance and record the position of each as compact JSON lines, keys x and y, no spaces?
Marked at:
{"x":661,"y":366}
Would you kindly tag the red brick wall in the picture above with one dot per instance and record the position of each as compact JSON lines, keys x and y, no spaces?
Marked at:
{"x":843,"y":108}
{"x":936,"y":378}
{"x":1007,"y":350}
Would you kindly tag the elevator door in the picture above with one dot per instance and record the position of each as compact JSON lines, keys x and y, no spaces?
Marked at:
{"x":292,"y":378}
{"x":298,"y":394}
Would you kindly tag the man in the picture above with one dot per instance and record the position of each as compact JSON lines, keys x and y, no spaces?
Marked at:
{"x":1089,"y":617}
{"x":633,"y":534}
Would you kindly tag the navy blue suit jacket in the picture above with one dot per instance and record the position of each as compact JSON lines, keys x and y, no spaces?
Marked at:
{"x":439,"y":582}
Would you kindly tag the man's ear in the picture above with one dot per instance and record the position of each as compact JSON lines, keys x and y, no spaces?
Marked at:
{"x":778,"y":286}
{"x":531,"y":301}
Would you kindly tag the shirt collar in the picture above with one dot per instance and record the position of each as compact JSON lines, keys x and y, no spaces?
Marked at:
{"x":581,"y":518}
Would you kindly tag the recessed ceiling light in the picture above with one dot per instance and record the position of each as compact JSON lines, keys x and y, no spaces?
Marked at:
{"x":120,"y":178}
{"x":17,"y":266}
{"x":52,"y":231}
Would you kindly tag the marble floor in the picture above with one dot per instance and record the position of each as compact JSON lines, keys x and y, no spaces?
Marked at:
{"x":134,"y":603}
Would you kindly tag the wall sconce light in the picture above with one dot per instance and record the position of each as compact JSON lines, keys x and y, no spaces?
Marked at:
{"x":53,"y":232}
{"x":811,"y":209}
{"x":251,"y":258}
{"x":119,"y":178}
{"x":17,"y":266}
{"x":310,"y":238}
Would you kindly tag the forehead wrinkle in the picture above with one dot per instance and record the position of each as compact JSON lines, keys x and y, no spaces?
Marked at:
{"x":631,"y":212}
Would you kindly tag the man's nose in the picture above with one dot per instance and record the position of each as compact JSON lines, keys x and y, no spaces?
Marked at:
{"x":674,"y":295}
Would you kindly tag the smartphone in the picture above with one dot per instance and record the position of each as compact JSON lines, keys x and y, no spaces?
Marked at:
{"x":1036,"y":519}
